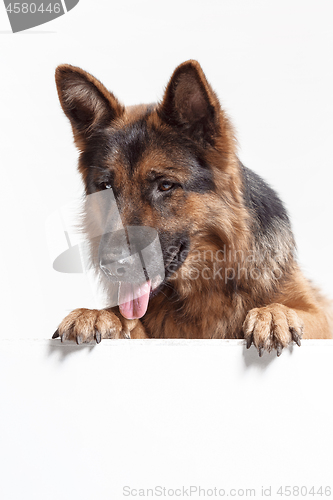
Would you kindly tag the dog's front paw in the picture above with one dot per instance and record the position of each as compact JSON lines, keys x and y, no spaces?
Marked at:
{"x":272,"y":327}
{"x":87,"y":325}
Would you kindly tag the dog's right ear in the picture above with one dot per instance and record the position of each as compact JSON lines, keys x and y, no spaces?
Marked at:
{"x":190,"y":104}
{"x":85,"y":101}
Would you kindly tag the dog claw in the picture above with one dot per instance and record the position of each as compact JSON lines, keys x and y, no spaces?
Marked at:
{"x":79,"y":339}
{"x":56,"y":334}
{"x":98,"y":336}
{"x":63,"y":337}
{"x":279,"y":349}
{"x":261,"y":351}
{"x":248,"y":342}
{"x":295,"y":336}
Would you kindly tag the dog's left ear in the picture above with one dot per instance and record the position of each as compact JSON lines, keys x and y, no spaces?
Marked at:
{"x":190,"y":104}
{"x":85,"y":101}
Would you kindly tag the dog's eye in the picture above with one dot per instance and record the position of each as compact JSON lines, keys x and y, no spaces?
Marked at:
{"x":165,"y":186}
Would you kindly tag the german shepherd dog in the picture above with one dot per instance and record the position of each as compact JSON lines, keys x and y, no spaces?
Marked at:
{"x":225,"y":236}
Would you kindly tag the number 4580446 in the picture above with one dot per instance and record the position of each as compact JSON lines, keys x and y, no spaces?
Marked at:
{"x":32,"y":8}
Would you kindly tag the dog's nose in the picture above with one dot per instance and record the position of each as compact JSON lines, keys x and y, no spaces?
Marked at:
{"x":129,"y":269}
{"x":113,"y":271}
{"x":121,"y":271}
{"x":131,"y":255}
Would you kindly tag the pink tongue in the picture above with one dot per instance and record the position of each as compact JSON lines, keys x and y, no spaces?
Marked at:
{"x":133,"y":299}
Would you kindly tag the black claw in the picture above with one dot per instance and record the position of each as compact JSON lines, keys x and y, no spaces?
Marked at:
{"x":279,"y":349}
{"x":56,"y":334}
{"x":98,"y":336}
{"x":79,"y":339}
{"x":261,"y":351}
{"x":248,"y":342}
{"x":295,"y":336}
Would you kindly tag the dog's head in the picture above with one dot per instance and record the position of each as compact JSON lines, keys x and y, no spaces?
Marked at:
{"x":171,"y":166}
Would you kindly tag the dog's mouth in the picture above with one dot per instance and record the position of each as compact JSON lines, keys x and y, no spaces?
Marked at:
{"x":177,"y":258}
{"x":134,"y":299}
{"x":134,"y":293}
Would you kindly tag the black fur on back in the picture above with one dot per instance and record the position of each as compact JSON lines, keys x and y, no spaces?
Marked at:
{"x":263,"y":202}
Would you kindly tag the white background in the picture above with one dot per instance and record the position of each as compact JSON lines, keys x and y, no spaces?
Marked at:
{"x":271,"y":65}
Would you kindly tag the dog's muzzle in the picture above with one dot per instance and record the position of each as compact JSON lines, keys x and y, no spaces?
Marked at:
{"x":132,"y":255}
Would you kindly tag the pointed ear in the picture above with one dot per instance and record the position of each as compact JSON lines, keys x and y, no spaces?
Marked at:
{"x":190,"y":104}
{"x":85,"y":101}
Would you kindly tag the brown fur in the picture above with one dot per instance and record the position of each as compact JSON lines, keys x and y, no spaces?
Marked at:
{"x":271,"y":309}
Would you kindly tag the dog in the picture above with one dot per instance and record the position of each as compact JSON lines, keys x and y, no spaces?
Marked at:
{"x":230,"y":269}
